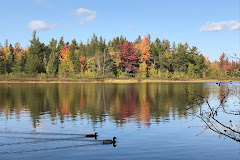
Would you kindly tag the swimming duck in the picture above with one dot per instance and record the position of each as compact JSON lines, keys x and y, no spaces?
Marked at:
{"x":109,"y":141}
{"x":92,"y":135}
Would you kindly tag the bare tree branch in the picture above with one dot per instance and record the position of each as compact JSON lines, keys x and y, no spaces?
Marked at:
{"x":208,"y":113}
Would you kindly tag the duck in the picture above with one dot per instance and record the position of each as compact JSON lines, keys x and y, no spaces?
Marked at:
{"x":92,"y":135}
{"x":109,"y":141}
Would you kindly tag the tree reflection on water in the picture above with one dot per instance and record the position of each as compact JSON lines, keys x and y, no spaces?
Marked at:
{"x":122,"y":103}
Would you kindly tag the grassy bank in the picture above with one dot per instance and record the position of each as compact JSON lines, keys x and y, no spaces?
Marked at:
{"x":110,"y":80}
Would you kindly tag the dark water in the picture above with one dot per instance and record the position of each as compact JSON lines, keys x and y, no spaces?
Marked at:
{"x":151,"y":121}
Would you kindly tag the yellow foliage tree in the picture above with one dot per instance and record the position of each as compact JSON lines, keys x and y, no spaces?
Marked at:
{"x":142,"y":73}
{"x":115,"y":56}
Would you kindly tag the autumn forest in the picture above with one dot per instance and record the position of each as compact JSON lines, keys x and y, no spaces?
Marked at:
{"x":118,"y":58}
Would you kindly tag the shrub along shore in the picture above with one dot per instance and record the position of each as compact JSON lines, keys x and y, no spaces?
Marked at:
{"x":112,"y":80}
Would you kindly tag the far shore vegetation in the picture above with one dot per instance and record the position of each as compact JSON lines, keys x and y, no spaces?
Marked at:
{"x":116,"y":60}
{"x":10,"y":80}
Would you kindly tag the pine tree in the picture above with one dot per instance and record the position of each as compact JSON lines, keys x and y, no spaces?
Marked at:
{"x":6,"y":43}
{"x":36,"y":50}
{"x":61,"y":43}
{"x":74,"y":55}
{"x":52,"y":66}
{"x":102,"y":44}
{"x":138,"y":40}
{"x":32,"y":64}
{"x":82,"y":49}
{"x":53,"y":63}
{"x":17,"y":67}
{"x":9,"y":58}
{"x":180,"y":60}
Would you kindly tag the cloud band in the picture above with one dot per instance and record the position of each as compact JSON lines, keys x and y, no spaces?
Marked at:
{"x":89,"y":15}
{"x":220,"y":26}
{"x":40,"y":25}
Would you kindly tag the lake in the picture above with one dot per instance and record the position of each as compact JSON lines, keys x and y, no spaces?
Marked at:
{"x":150,"y":121}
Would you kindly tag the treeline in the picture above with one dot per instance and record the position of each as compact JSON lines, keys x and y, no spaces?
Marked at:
{"x":118,"y":58}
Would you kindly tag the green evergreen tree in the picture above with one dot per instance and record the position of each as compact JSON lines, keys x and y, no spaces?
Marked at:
{"x":17,"y":67}
{"x":61,"y":43}
{"x":138,"y":40}
{"x":82,"y":49}
{"x":102,"y":44}
{"x":32,"y":64}
{"x":36,"y":50}
{"x":52,"y":66}
{"x":74,"y":55}
{"x":9,"y":59}
{"x":190,"y":71}
{"x":180,"y":59}
{"x":53,"y":63}
{"x":93,"y":47}
{"x":6,"y":43}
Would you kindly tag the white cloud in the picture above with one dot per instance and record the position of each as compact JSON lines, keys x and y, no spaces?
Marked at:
{"x":40,"y":25}
{"x":83,"y":11}
{"x":220,"y":26}
{"x":234,"y":25}
{"x":87,"y":14}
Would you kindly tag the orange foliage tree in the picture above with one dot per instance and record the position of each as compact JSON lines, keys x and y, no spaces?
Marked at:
{"x":64,"y":54}
{"x":145,"y":49}
{"x":66,"y":66}
{"x":17,"y":50}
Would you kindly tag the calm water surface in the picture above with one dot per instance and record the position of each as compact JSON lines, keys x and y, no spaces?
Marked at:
{"x":151,"y":121}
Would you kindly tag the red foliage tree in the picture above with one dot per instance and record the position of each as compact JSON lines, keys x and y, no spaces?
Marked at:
{"x":231,"y":68}
{"x":223,"y":63}
{"x":128,"y":57}
{"x":82,"y":63}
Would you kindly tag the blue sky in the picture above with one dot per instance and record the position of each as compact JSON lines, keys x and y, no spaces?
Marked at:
{"x":211,"y":25}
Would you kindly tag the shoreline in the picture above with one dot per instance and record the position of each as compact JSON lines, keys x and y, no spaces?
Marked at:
{"x":112,"y":80}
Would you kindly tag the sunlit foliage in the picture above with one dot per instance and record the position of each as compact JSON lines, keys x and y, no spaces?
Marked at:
{"x":118,"y":58}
